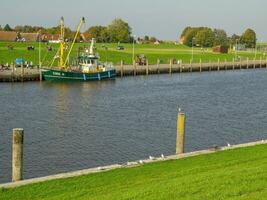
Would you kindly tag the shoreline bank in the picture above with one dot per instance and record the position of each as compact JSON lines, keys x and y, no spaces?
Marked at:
{"x":128,"y":164}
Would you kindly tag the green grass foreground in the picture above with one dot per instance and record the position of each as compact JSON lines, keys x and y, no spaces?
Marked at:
{"x":235,"y":174}
{"x":163,"y":52}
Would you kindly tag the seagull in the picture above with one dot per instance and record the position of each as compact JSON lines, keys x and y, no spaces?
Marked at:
{"x":229,"y":145}
{"x":141,"y":162}
{"x":151,"y":158}
{"x":162,"y":156}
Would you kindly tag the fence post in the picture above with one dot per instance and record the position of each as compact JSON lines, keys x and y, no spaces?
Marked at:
{"x":17,"y":155}
{"x":180,"y":133}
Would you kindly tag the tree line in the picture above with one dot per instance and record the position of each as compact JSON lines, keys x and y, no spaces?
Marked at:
{"x":117,"y":31}
{"x":207,"y":37}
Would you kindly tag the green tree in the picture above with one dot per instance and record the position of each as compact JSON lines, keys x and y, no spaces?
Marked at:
{"x":205,"y":37}
{"x":234,"y":38}
{"x":189,"y":35}
{"x":97,"y":32}
{"x":119,"y":31}
{"x":146,"y":38}
{"x":153,"y":39}
{"x":220,"y":37}
{"x":185,"y":31}
{"x":249,"y":38}
{"x":7,"y":28}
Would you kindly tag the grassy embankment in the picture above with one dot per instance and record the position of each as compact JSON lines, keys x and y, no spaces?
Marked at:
{"x":164,"y":52}
{"x":238,"y":174}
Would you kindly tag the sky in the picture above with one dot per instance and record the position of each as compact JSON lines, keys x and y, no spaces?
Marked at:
{"x":164,"y":19}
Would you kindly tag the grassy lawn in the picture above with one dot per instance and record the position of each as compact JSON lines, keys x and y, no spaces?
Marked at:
{"x":164,"y":52}
{"x":238,"y":174}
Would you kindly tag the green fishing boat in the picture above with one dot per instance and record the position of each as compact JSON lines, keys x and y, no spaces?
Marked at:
{"x":88,"y":67}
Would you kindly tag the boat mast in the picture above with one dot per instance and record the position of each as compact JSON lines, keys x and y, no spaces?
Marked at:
{"x":82,"y":21}
{"x":92,"y":47}
{"x":62,"y":43}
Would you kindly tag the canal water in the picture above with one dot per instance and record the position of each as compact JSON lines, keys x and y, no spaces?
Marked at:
{"x":72,"y":126}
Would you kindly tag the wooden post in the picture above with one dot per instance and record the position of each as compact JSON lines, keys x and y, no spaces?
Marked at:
{"x":12,"y":72}
{"x":170,"y":70}
{"x":218,"y":64}
{"x":254,"y":66}
{"x":261,"y":62}
{"x":22,"y":73}
{"x":181,"y":66}
{"x":209,"y":65}
{"x":180,"y":133}
{"x":121,"y":68}
{"x":40,"y":74}
{"x":158,"y":61}
{"x":134,"y":64}
{"x":191,"y":65}
{"x":147,"y":71}
{"x":200,"y":65}
{"x":233,"y":64}
{"x":247,"y":63}
{"x":225,"y":64}
{"x":17,"y":155}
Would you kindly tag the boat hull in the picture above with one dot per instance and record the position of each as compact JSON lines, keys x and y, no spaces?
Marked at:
{"x":60,"y":75}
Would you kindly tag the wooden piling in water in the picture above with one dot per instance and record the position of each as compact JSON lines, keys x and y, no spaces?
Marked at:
{"x":40,"y":74}
{"x":17,"y":155}
{"x":247,"y":63}
{"x":254,"y":66}
{"x":121,"y":68}
{"x":218,"y":64}
{"x":180,"y":133}
{"x":261,"y":62}
{"x":181,"y":66}
{"x":147,"y":71}
{"x":233,"y":64}
{"x":22,"y":73}
{"x":12,"y":72}
{"x":200,"y":65}
{"x":158,"y":62}
{"x":134,"y":64}
{"x":170,"y":70}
